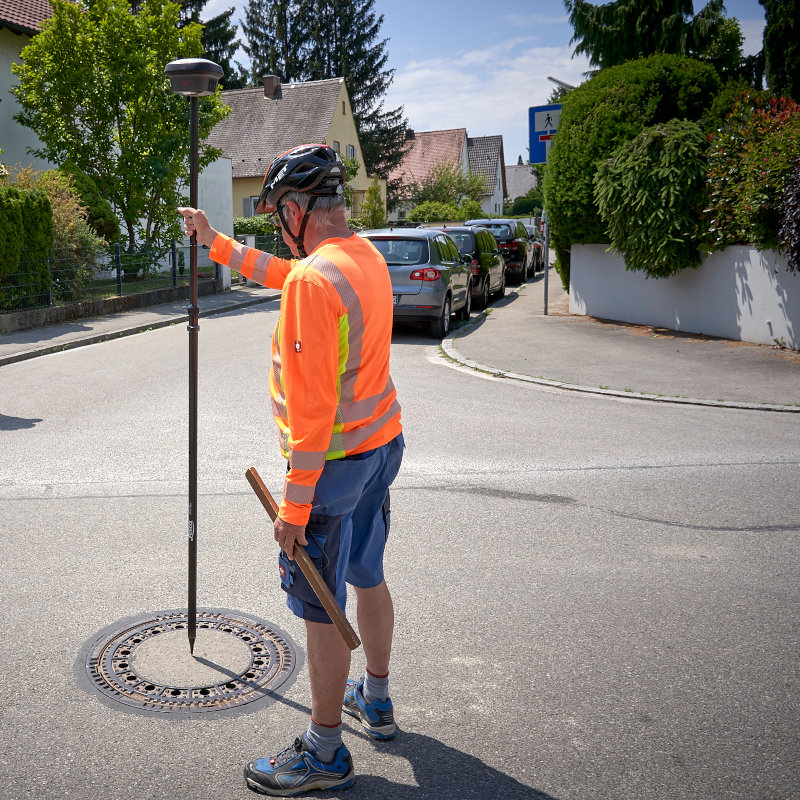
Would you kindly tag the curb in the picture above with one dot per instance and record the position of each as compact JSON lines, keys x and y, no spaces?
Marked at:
{"x":104,"y":337}
{"x":450,"y":351}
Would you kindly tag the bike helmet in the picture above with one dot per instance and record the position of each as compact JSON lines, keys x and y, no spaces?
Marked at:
{"x":313,"y":169}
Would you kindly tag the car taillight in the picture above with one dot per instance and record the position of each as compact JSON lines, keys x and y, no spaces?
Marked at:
{"x":509,"y":245}
{"x":429,"y":274}
{"x":475,"y":270}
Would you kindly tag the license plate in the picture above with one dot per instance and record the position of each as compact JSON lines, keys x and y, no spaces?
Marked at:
{"x":397,"y":299}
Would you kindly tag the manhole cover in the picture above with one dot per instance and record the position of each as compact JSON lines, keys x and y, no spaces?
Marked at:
{"x":145,"y":665}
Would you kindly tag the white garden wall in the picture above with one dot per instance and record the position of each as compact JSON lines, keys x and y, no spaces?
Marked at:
{"x":737,"y":293}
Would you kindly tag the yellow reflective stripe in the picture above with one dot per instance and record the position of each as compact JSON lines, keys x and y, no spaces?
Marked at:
{"x":294,"y":493}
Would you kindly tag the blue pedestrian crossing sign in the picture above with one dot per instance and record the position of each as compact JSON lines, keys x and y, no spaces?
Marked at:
{"x":543,"y":124}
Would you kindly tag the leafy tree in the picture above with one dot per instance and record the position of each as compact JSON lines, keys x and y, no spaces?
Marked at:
{"x":92,"y":87}
{"x":277,"y":39}
{"x":790,"y":227}
{"x":617,"y":32}
{"x":724,"y":51}
{"x":448,"y":183}
{"x":352,"y":167}
{"x":600,"y":115}
{"x":782,"y":46}
{"x":373,"y":213}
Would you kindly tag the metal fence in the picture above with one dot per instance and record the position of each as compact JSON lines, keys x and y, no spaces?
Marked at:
{"x":68,"y":276}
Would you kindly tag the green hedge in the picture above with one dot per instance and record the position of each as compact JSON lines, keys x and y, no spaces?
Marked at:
{"x":257,"y":225}
{"x":600,"y":115}
{"x":26,"y":231}
{"x":651,"y":193}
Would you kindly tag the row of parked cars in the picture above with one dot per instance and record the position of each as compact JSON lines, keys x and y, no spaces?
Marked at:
{"x":437,"y":272}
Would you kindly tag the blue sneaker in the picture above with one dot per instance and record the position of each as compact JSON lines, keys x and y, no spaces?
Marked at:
{"x":295,"y":771}
{"x":377,"y":717}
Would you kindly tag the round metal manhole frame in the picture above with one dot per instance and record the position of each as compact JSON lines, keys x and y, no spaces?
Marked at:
{"x":105,"y":668}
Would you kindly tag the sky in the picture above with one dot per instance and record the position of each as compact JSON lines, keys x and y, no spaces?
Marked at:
{"x":473,"y":65}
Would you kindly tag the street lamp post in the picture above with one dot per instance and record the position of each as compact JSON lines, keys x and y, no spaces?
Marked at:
{"x":194,"y":78}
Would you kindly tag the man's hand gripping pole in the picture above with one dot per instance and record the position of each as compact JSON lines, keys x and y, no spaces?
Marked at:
{"x":307,"y":566}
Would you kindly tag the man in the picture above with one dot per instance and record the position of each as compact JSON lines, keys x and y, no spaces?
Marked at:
{"x":339,"y":428}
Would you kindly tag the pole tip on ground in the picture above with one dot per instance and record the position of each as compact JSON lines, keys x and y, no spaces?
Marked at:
{"x":191,"y":645}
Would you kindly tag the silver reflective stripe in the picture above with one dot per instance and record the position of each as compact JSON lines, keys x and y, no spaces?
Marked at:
{"x":260,"y":268}
{"x":302,"y":459}
{"x":355,"y":321}
{"x":278,"y":408}
{"x":350,"y":440}
{"x":363,"y":409}
{"x":293,"y":493}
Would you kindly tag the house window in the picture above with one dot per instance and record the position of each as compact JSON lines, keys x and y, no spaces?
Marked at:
{"x":336,"y":147}
{"x":402,"y":215}
{"x":351,"y":151}
{"x":343,"y":111}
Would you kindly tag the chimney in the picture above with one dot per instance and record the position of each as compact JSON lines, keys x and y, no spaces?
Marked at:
{"x":409,"y":133}
{"x":272,"y":87}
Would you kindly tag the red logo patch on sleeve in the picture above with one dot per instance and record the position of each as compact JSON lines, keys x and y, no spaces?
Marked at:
{"x":297,"y":347}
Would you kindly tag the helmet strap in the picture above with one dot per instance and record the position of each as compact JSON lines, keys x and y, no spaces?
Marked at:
{"x":298,"y":240}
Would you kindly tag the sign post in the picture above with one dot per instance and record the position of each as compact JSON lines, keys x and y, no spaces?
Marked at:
{"x":542,"y":125}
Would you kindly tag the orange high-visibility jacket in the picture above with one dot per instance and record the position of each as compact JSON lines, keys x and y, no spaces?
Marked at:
{"x":331,"y":391}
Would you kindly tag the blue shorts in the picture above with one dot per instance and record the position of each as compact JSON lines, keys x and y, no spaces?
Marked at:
{"x":347,"y":529}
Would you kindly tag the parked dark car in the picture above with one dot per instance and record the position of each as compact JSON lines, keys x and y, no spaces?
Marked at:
{"x":486,"y":263}
{"x":515,"y":245}
{"x":538,"y":242}
{"x":430,"y":278}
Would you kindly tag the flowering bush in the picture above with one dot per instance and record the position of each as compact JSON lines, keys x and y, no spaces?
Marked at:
{"x":750,"y":159}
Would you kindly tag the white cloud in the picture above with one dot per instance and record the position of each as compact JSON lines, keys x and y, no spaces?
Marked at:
{"x":494,"y":98}
{"x":753,"y":31}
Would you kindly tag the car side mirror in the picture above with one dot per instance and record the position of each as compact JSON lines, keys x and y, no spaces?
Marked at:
{"x":466,"y":259}
{"x":496,"y":253}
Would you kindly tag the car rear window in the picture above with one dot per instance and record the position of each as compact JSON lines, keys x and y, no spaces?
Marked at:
{"x":501,"y":231}
{"x":402,"y":251}
{"x":464,"y":241}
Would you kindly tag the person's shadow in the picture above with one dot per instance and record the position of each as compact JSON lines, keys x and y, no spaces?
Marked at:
{"x":441,"y":773}
{"x":17,"y":423}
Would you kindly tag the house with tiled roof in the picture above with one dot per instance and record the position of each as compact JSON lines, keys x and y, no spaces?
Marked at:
{"x":519,"y":181}
{"x":486,"y":158}
{"x":20,"y":21}
{"x":427,"y":149}
{"x":260,"y":129}
{"x":477,"y":154}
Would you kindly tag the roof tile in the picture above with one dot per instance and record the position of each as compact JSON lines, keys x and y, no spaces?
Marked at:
{"x":258,"y":130}
{"x":485,"y":157}
{"x":430,"y":148}
{"x":24,"y":15}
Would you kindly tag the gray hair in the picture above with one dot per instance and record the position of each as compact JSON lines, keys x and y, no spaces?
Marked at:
{"x":327,"y":211}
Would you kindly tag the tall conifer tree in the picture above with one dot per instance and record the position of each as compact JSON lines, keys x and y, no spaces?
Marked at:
{"x":614,"y":33}
{"x":277,"y":33}
{"x":782,"y":46}
{"x":345,"y":42}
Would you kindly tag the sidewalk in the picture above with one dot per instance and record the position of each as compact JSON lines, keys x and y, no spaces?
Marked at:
{"x":22,"y":345}
{"x":618,"y":357}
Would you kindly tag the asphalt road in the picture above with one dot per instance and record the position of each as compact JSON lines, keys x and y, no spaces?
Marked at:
{"x":596,"y":598}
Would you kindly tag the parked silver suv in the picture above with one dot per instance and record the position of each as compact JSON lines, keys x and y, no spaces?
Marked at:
{"x":430,"y":278}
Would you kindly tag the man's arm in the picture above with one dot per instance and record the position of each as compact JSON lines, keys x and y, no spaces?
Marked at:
{"x":263,"y":268}
{"x":309,"y":345}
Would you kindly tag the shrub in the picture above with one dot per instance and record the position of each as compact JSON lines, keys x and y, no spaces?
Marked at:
{"x":766,"y":167}
{"x":650,"y":193}
{"x":11,"y":232}
{"x":790,"y":227}
{"x":99,"y":213}
{"x":469,"y":209}
{"x":600,"y":115}
{"x":257,"y":225}
{"x":735,"y":157}
{"x":433,"y":212}
{"x":373,"y":213}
